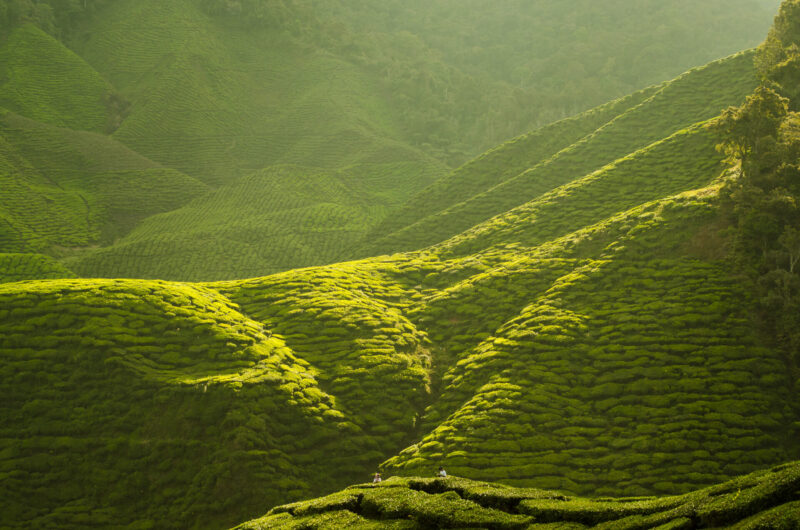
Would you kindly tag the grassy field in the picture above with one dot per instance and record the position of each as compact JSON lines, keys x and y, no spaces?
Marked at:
{"x":765,"y":499}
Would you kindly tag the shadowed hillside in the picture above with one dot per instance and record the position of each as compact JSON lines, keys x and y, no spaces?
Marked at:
{"x":64,"y":190}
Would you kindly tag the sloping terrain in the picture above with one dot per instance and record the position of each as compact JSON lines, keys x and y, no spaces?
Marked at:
{"x":273,"y":220}
{"x":18,"y":267}
{"x":46,"y":82}
{"x":218,"y":91}
{"x":616,"y":360}
{"x":162,"y":404}
{"x":63,"y":190}
{"x":765,"y":499}
{"x":553,"y":166}
{"x":582,"y":331}
{"x":219,"y":103}
{"x":600,"y":137}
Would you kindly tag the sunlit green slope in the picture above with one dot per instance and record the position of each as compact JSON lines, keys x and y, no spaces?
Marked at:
{"x":618,"y":359}
{"x":163,"y":404}
{"x":600,"y":137}
{"x":765,"y":499}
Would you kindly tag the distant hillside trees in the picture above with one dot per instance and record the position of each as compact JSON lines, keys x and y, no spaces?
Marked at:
{"x":54,"y":16}
{"x":763,"y":136}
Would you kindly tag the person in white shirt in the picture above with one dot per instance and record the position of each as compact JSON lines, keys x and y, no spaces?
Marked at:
{"x":442,"y":472}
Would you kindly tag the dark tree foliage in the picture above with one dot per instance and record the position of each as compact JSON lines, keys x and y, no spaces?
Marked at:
{"x":57,"y":17}
{"x":763,"y":137}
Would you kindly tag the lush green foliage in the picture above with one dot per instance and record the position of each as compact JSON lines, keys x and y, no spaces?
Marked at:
{"x":162,"y":404}
{"x":579,"y":329}
{"x":42,"y":80}
{"x":762,"y":141}
{"x":285,"y":217}
{"x":18,"y":267}
{"x":614,"y":360}
{"x":766,"y":499}
{"x":381,"y":96}
{"x":61,"y":188}
{"x":602,"y":136}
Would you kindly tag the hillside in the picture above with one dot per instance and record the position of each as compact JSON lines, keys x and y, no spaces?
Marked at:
{"x":210,"y":93}
{"x":603,"y":335}
{"x":766,"y":499}
{"x":581,"y":309}
{"x":64,"y":190}
{"x":531,"y":166}
{"x":286,"y":217}
{"x":662,"y":124}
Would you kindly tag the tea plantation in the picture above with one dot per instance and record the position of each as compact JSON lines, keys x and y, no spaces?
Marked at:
{"x":630,"y":125}
{"x":64,"y":191}
{"x":18,"y":267}
{"x":765,"y":499}
{"x":184,"y":345}
{"x":616,"y":360}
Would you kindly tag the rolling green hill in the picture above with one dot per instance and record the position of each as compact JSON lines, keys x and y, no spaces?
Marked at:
{"x":766,"y":499}
{"x":382,"y":97}
{"x":64,"y":190}
{"x":618,"y":151}
{"x":286,"y":217}
{"x":569,"y":319}
{"x":18,"y":267}
{"x":601,"y":137}
{"x":44,"y":81}
{"x":628,"y":342}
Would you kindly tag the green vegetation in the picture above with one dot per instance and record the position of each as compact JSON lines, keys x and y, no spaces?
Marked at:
{"x":615,"y":360}
{"x":161,"y":405}
{"x":61,"y":189}
{"x":382,"y":97}
{"x":18,"y":267}
{"x":573,"y":321}
{"x":766,"y":499}
{"x":654,"y":115}
{"x":42,"y":80}
{"x":762,"y":141}
{"x":286,"y":217}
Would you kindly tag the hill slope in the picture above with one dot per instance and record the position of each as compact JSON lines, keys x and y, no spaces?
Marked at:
{"x":766,"y":499}
{"x":588,"y":335}
{"x":604,"y":361}
{"x":216,"y":92}
{"x":202,"y":242}
{"x":64,"y":189}
{"x":624,"y":128}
